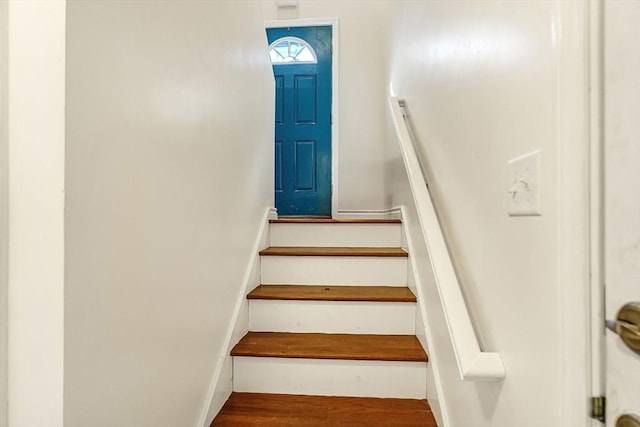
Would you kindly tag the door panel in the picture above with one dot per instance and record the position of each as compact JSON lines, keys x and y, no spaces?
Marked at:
{"x":278,"y":166}
{"x":622,"y":196}
{"x":279,"y":100}
{"x":303,"y":126}
{"x":305,"y":100}
{"x":305,"y":165}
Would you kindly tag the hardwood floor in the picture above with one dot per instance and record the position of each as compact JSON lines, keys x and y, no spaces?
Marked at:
{"x":307,"y":220}
{"x":331,"y":346}
{"x":332,"y":251}
{"x":333,"y":293}
{"x":254,"y":409}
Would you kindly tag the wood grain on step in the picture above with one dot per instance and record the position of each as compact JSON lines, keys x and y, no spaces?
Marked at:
{"x":331,"y":346}
{"x":333,"y":293}
{"x":333,"y":251}
{"x":255,"y":409}
{"x":297,"y":220}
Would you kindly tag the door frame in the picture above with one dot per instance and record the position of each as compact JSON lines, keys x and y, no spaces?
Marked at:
{"x":579,"y":187}
{"x":4,"y":214}
{"x":597,"y":343}
{"x":335,"y":117}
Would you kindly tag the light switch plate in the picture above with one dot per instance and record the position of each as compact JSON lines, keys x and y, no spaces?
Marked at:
{"x":524,"y":185}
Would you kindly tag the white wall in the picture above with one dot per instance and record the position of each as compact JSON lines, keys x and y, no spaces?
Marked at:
{"x":36,"y":63}
{"x":4,"y":218}
{"x":169,"y":172}
{"x":364,"y":35}
{"x":486,"y":82}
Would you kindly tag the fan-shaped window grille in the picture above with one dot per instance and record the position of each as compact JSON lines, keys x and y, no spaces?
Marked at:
{"x":292,"y":50}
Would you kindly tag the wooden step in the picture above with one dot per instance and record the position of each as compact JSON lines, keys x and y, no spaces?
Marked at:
{"x":302,"y":220}
{"x":333,"y":293}
{"x":333,"y":251}
{"x":256,"y":409}
{"x":331,"y":346}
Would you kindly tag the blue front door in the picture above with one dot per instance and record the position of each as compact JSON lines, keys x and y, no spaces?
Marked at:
{"x":301,"y":58}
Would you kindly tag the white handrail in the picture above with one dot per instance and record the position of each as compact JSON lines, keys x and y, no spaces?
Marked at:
{"x":473,"y":363}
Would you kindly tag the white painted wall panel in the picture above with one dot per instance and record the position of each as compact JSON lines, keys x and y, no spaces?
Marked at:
{"x":4,"y":212}
{"x":360,"y":378}
{"x":36,"y":137}
{"x":335,"y":317}
{"x":169,"y":173}
{"x":363,"y":235}
{"x":307,"y":270}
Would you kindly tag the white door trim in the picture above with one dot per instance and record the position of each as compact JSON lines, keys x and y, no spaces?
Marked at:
{"x":4,"y":220}
{"x":596,"y":200}
{"x":574,"y":191}
{"x":335,"y":126}
{"x":36,"y":192}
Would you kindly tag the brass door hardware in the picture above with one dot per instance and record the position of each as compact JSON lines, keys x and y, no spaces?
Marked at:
{"x":598,"y":407}
{"x":628,"y":420}
{"x":627,"y":325}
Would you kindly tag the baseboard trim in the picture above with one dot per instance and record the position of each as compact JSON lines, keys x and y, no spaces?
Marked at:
{"x":393,"y":213}
{"x":438,"y":406}
{"x":273,"y":213}
{"x":221,"y":384}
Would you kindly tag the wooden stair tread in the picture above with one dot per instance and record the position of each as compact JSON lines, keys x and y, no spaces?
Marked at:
{"x":299,"y":220}
{"x":333,"y":293}
{"x":331,"y":346}
{"x":257,"y":409}
{"x":333,"y":251}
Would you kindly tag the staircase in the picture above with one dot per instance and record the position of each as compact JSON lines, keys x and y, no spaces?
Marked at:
{"x":332,"y":331}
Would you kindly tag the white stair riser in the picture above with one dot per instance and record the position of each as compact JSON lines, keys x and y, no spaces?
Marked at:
{"x":321,"y":270}
{"x":359,"y":378}
{"x":365,"y":235}
{"x":387,"y":318}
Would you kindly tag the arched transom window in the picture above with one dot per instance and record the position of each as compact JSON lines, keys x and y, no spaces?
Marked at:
{"x":292,"y":50}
